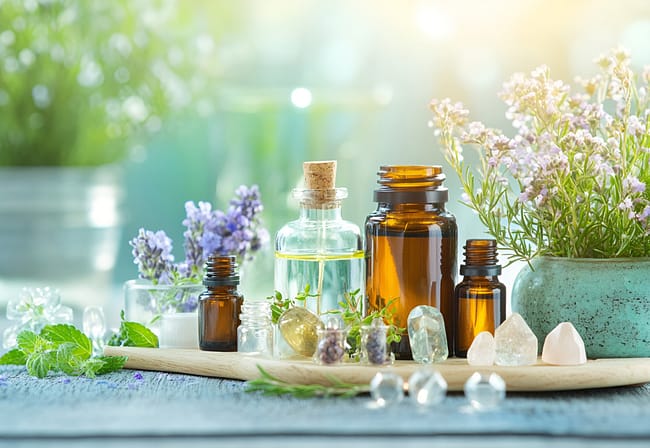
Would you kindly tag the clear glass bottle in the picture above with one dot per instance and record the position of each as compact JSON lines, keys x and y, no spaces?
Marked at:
{"x":219,"y":305}
{"x":255,"y":332}
{"x":411,"y":247}
{"x":480,"y":299}
{"x":320,"y":248}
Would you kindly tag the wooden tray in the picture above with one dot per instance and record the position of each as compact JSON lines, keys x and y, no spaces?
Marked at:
{"x":540,"y":377}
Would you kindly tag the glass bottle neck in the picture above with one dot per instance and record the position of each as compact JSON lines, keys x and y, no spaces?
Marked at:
{"x":405,"y":207}
{"x":321,"y":214}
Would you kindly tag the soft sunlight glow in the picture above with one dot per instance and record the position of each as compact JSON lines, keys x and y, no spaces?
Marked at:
{"x":434,"y":22}
{"x":301,"y":97}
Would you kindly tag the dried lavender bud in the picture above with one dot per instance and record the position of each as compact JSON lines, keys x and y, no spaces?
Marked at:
{"x":330,"y":348}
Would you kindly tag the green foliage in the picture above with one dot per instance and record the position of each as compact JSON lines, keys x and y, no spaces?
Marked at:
{"x":279,"y":304}
{"x":133,"y":334}
{"x":351,"y":311}
{"x":573,"y":180}
{"x":80,"y":79}
{"x":14,"y":357}
{"x":60,"y":348}
{"x":267,"y":384}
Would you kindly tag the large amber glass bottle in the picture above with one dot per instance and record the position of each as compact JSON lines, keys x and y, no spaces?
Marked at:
{"x":480,"y":299}
{"x":219,"y":305}
{"x":411,"y":247}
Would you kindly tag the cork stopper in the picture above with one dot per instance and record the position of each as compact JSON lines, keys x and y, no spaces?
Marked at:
{"x":320,"y":175}
{"x":320,"y":185}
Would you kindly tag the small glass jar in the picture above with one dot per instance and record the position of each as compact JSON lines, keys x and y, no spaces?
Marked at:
{"x":255,"y":332}
{"x":331,"y":343}
{"x":374,"y":348}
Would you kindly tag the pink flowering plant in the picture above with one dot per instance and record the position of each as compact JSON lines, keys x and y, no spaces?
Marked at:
{"x":573,"y":179}
{"x":237,"y":231}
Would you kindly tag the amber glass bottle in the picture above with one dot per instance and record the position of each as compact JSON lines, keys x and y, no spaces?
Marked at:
{"x":219,"y":305}
{"x":411,"y":247}
{"x":480,"y":299}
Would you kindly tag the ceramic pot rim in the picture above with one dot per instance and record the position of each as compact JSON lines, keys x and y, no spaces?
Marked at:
{"x":591,"y":260}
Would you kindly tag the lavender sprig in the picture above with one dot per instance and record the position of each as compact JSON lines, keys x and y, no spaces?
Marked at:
{"x":152,"y":253}
{"x":239,"y":231}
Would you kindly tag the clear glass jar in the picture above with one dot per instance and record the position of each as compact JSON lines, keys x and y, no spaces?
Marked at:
{"x":320,"y":248}
{"x":255,"y":332}
{"x":411,"y":247}
{"x":331,"y":343}
{"x":374,"y":348}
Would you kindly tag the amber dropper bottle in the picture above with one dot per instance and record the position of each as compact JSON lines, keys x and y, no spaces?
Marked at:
{"x":219,"y":305}
{"x":480,"y":299}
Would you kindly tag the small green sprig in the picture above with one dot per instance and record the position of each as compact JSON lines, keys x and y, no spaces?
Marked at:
{"x":279,"y":304}
{"x":60,"y":348}
{"x":270,"y":385}
{"x":351,"y":311}
{"x":133,"y":334}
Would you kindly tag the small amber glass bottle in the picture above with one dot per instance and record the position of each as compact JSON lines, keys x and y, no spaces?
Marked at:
{"x":480,"y":299}
{"x":219,"y":305}
{"x":411,"y":247}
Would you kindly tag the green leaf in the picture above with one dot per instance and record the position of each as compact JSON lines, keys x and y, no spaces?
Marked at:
{"x":14,"y":357}
{"x":29,"y":342}
{"x":137,"y":335}
{"x":91,"y":367}
{"x":67,"y":361}
{"x":39,"y":363}
{"x":111,"y":364}
{"x":80,"y":345}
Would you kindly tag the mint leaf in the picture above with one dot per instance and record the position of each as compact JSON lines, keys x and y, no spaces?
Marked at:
{"x":137,"y":335}
{"x":90,"y":367}
{"x":111,"y":364}
{"x":79,"y":344}
{"x":14,"y":357}
{"x":29,"y":342}
{"x":39,"y":363}
{"x":67,"y":361}
{"x":133,"y":334}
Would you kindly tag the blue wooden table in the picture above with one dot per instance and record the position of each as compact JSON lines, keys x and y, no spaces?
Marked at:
{"x":133,"y":408}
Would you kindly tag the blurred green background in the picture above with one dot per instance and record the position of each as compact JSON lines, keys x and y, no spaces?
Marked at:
{"x":214,"y":94}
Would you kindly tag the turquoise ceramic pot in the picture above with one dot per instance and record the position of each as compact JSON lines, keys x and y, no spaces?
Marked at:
{"x":607,"y":300}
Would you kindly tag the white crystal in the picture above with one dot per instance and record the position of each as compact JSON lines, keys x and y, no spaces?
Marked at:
{"x":93,"y":322}
{"x":563,"y":346}
{"x":485,"y":391}
{"x":516,"y":345}
{"x":482,"y":351}
{"x":426,"y":329}
{"x":427,"y":387}
{"x":387,"y":388}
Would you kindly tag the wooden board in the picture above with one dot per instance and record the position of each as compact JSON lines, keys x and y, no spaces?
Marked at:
{"x":540,"y":377}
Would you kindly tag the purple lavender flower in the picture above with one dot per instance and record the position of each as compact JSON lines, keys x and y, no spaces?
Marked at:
{"x":152,"y":253}
{"x":196,"y":220}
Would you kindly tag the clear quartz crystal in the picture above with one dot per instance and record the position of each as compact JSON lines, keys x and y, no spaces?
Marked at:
{"x":485,"y":391}
{"x":427,"y":336}
{"x":299,"y":328}
{"x":427,"y":387}
{"x":516,"y":344}
{"x":482,"y":352}
{"x":387,"y":388}
{"x":94,"y":326}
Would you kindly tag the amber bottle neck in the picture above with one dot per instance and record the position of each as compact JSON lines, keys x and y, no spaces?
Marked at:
{"x":480,"y":258}
{"x":221,"y":271}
